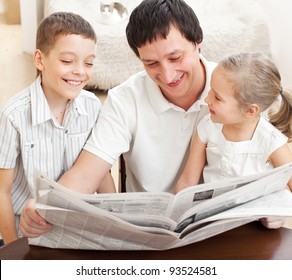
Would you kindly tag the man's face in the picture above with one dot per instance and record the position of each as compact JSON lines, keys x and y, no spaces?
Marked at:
{"x":174,"y":64}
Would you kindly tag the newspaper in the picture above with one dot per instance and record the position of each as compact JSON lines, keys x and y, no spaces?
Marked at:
{"x":158,"y":221}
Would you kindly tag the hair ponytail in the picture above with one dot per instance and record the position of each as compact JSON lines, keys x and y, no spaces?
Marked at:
{"x":282,"y":119}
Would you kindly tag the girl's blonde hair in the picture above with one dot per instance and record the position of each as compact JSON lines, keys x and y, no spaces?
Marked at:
{"x":257,"y":80}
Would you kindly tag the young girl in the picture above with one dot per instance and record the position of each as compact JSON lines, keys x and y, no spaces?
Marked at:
{"x":234,"y":139}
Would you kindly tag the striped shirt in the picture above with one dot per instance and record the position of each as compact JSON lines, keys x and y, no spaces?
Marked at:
{"x":31,"y":138}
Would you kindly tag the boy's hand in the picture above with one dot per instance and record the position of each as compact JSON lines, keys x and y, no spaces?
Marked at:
{"x":31,"y":223}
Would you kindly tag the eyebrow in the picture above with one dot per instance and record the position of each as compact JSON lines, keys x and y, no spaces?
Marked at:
{"x":218,"y":95}
{"x":72,"y":53}
{"x":176,"y":51}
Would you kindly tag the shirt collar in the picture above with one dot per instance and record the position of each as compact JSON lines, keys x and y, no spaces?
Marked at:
{"x":40,"y":108}
{"x":78,"y":105}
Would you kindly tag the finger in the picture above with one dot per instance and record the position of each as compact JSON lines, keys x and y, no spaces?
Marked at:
{"x":31,"y":223}
{"x":29,"y":228}
{"x":273,"y":222}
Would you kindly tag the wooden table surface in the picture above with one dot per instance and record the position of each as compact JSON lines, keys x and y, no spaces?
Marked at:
{"x":248,"y":242}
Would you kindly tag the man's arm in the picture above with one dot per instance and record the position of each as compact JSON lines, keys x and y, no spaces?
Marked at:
{"x":89,"y":174}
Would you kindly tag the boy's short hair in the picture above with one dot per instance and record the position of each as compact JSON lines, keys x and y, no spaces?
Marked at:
{"x":61,"y":23}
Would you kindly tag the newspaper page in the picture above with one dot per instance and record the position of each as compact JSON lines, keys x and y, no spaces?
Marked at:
{"x":142,"y":209}
{"x":207,"y":199}
{"x":99,"y":230}
{"x":83,"y":225}
{"x":278,"y":204}
{"x":165,"y":210}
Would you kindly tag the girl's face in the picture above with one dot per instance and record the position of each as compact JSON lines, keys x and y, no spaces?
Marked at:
{"x":67,"y":67}
{"x":223,"y":106}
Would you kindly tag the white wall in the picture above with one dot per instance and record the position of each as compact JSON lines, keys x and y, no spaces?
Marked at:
{"x":31,"y":12}
{"x":1,"y":6}
{"x":279,"y":18}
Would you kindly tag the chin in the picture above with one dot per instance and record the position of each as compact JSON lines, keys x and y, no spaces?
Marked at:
{"x":214,"y":119}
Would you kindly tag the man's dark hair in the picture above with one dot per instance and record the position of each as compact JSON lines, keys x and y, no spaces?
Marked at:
{"x":153,"y":18}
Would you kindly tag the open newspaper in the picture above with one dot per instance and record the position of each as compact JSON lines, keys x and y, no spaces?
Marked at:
{"x":158,"y":221}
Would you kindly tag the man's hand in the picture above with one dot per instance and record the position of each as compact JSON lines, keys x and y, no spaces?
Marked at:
{"x":273,"y":222}
{"x":31,"y":223}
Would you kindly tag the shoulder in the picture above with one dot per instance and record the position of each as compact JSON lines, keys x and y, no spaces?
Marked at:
{"x":88,"y":95}
{"x":209,"y":65}
{"x":133,"y":85}
{"x":88,"y":98}
{"x":205,"y":127}
{"x":207,"y":124}
{"x":132,"y":93}
{"x":19,"y":102}
{"x":269,"y":136}
{"x":266,"y":129}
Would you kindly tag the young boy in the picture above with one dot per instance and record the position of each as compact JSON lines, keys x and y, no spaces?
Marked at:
{"x":45,"y":126}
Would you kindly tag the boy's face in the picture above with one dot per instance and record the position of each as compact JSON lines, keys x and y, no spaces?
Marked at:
{"x":67,"y":67}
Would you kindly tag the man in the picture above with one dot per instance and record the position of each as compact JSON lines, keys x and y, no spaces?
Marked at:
{"x":151,"y":117}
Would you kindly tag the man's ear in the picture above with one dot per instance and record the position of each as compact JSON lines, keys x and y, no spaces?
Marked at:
{"x":252,"y":110}
{"x":38,"y":60}
{"x":199,"y":46}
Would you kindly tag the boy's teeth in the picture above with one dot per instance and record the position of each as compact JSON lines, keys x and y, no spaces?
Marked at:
{"x":75,"y":83}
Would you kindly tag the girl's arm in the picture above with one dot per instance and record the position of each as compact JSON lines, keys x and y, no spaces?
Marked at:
{"x":282,"y":156}
{"x":194,"y":166}
{"x":7,"y":218}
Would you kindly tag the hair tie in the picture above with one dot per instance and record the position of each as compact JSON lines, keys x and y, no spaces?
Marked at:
{"x":281,"y":91}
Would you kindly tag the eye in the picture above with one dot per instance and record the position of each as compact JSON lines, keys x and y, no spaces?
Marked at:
{"x":66,"y":61}
{"x":175,"y":58}
{"x":151,"y":65}
{"x":217,"y":98}
{"x":89,"y":64}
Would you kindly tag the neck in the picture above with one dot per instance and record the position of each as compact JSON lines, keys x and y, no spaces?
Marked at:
{"x":243,"y":131}
{"x":59,"y":111}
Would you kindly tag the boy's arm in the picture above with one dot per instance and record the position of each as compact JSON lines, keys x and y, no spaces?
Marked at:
{"x":7,"y":218}
{"x":194,"y":166}
{"x":31,"y":223}
{"x":89,"y":174}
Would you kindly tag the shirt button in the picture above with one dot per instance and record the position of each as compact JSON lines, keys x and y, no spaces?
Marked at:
{"x":66,"y":131}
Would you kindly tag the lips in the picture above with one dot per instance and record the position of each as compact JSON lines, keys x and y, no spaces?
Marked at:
{"x":176,"y":82}
{"x":211,"y":111}
{"x":73,"y":82}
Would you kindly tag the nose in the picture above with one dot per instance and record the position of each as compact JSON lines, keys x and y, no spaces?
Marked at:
{"x":167,"y":73}
{"x":79,"y":69}
{"x":208,"y":99}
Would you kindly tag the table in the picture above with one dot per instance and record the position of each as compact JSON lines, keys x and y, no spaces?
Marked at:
{"x":248,"y":242}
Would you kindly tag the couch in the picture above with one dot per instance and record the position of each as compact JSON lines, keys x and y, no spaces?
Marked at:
{"x":229,"y":26}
